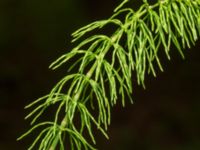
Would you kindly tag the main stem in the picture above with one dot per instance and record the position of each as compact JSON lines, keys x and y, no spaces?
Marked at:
{"x":75,"y":98}
{"x":89,"y":74}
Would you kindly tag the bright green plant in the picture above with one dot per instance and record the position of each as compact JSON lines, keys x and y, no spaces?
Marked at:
{"x":105,"y":66}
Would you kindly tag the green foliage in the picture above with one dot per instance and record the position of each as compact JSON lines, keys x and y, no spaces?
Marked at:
{"x":105,"y":67}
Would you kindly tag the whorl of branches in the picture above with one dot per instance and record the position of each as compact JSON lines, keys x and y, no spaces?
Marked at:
{"x":105,"y":66}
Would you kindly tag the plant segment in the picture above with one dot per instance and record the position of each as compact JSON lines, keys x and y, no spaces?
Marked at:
{"x":105,"y":66}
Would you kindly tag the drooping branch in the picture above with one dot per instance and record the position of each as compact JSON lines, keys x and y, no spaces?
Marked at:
{"x":107,"y":62}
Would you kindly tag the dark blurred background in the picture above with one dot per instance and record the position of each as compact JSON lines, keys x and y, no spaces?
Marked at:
{"x":34,"y":33}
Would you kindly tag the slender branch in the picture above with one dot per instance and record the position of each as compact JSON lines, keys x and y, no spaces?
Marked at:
{"x":165,"y":23}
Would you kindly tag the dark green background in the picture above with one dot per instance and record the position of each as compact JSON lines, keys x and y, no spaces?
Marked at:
{"x":33,"y":33}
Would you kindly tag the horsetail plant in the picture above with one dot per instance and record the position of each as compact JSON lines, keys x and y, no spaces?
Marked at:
{"x":105,"y":65}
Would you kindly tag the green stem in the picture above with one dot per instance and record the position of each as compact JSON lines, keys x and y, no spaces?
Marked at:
{"x":76,"y":97}
{"x":56,"y":140}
